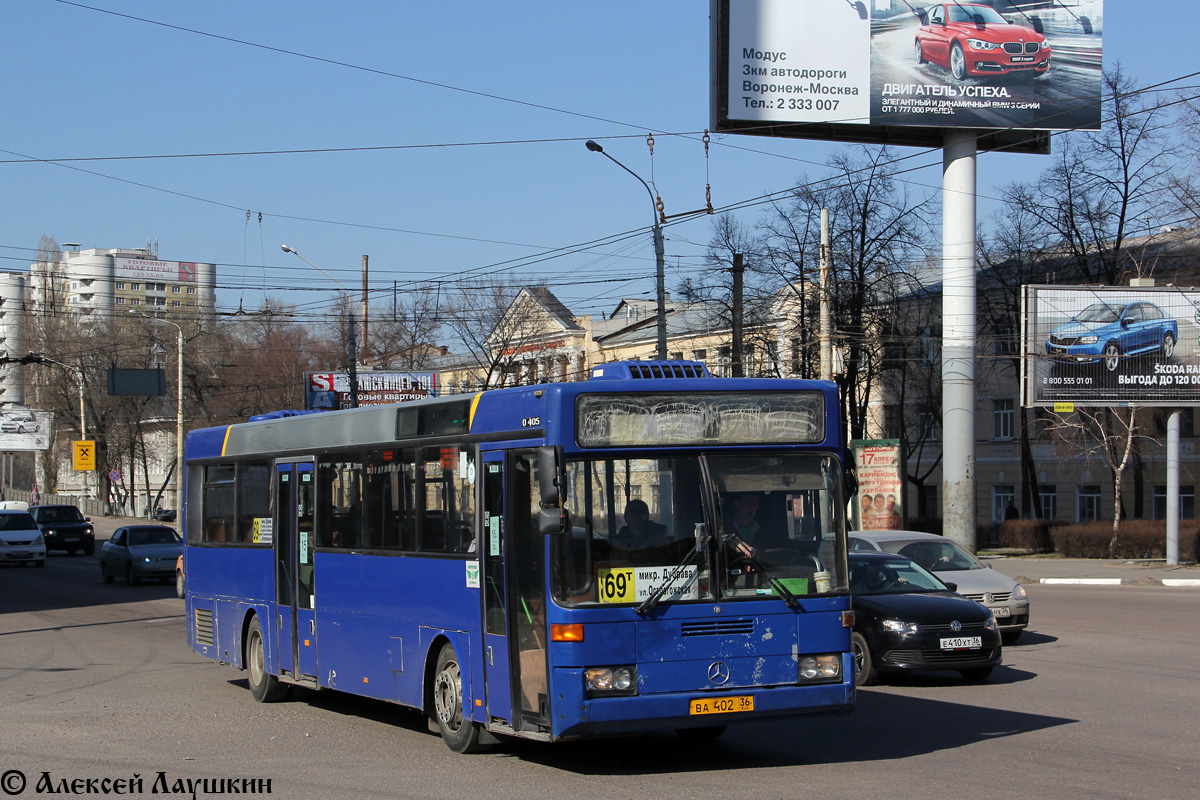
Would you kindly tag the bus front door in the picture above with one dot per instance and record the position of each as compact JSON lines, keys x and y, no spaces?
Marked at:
{"x":495,"y":614}
{"x":294,"y":575}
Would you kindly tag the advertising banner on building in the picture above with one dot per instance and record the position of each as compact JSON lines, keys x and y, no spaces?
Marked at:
{"x":829,"y":66}
{"x":149,"y":269}
{"x":332,"y":389}
{"x":25,"y":429}
{"x":1103,"y":346}
{"x":882,"y":478}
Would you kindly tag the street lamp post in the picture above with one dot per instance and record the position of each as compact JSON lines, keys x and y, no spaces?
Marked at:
{"x":658,"y":253}
{"x":178,"y":412}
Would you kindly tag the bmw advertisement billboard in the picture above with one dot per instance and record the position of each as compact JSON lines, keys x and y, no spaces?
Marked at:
{"x":1111,"y":346}
{"x":893,"y":71}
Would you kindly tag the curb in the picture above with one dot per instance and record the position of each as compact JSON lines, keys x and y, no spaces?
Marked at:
{"x":1176,"y":582}
{"x":1082,"y":581}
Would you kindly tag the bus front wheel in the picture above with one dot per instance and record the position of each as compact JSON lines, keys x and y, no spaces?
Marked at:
{"x":460,"y":734}
{"x":265,"y":687}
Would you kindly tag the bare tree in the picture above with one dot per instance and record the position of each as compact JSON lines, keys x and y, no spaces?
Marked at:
{"x":877,"y":232}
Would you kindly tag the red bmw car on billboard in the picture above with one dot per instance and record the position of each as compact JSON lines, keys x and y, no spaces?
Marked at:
{"x":973,"y":40}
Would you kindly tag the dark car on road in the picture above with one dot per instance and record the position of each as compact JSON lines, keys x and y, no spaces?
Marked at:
{"x":141,"y":551}
{"x":906,"y":620}
{"x":973,"y":40}
{"x":1110,"y":332}
{"x":65,"y":528}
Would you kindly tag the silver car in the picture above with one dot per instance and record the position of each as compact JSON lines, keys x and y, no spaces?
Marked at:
{"x":20,"y":539}
{"x":1005,"y":597}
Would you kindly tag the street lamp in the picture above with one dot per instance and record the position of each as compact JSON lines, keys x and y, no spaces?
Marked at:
{"x":178,"y":412}
{"x":296,"y":253}
{"x":77,"y":373}
{"x":353,"y":354}
{"x":658,"y":253}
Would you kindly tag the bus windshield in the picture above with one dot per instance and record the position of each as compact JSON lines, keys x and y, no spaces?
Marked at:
{"x":770,"y":524}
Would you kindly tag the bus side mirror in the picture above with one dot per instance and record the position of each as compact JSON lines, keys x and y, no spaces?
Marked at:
{"x":552,"y":518}
{"x":849,"y":474}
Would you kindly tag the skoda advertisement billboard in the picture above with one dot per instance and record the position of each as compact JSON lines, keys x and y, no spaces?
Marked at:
{"x":1111,"y":346}
{"x":903,"y":72}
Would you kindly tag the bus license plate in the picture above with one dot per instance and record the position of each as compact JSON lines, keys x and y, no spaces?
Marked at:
{"x":721,"y":705}
{"x":963,"y":643}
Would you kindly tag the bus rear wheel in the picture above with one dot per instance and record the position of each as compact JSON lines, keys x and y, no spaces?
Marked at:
{"x":460,"y":734}
{"x":265,"y":687}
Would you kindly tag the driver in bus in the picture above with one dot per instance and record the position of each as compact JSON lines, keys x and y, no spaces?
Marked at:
{"x":639,"y":532}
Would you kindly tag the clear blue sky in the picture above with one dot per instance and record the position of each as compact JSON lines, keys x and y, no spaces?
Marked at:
{"x":489,"y":175}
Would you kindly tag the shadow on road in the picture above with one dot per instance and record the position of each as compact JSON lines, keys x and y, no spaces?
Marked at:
{"x":885,"y":727}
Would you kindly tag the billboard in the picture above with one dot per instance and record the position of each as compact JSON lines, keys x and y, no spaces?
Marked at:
{"x":891,"y":71}
{"x":880,"y":467}
{"x":332,"y":389}
{"x":149,"y":269}
{"x":25,"y":429}
{"x":1119,"y":346}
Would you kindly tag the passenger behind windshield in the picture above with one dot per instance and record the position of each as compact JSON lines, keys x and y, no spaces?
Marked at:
{"x":639,"y":532}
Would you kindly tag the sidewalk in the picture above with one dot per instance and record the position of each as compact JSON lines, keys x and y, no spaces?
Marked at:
{"x":1055,"y":570}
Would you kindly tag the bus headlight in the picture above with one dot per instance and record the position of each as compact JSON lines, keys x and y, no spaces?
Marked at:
{"x":611,"y":680}
{"x":821,"y":668}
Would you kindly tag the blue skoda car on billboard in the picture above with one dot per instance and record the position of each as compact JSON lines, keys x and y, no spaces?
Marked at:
{"x":1109,"y":332}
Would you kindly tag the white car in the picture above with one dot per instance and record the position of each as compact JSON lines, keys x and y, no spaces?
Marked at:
{"x":20,"y":539}
{"x":1005,"y":597}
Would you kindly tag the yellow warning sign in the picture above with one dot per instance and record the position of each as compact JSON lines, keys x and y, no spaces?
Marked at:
{"x":84,"y":456}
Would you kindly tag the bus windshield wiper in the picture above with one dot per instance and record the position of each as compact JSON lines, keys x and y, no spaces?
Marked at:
{"x":699,"y":547}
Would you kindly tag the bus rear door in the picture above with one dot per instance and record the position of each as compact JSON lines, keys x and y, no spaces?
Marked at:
{"x":294,"y":569}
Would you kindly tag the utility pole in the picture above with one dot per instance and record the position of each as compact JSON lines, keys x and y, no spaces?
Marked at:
{"x":352,"y":352}
{"x":737,"y":270}
{"x":364,"y":303}
{"x":826,"y":325}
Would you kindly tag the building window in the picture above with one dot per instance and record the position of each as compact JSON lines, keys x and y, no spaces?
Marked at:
{"x":724,"y":358}
{"x":1087,"y":503}
{"x":120,"y":284}
{"x":176,"y":290}
{"x":700,"y":355}
{"x":1002,"y":418}
{"x":191,"y":290}
{"x":158,"y":301}
{"x":677,"y":356}
{"x":120,"y":301}
{"x":1048,"y":501}
{"x":162,"y":287}
{"x":135,"y":286}
{"x":795,"y":343}
{"x":175,"y":304}
{"x":191,"y":304}
{"x":892,"y":421}
{"x":931,"y":499}
{"x":1187,"y":502}
{"x":133,"y":301}
{"x":1002,"y":496}
{"x":927,"y":427}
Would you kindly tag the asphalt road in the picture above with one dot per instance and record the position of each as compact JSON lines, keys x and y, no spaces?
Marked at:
{"x":1098,"y":700}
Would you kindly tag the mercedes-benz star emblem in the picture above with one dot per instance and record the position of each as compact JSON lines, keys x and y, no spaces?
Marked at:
{"x":718,"y":672}
{"x":955,"y":626}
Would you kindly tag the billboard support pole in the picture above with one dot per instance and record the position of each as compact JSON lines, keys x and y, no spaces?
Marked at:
{"x":958,"y":337}
{"x":1173,"y":488}
{"x":826,"y":326}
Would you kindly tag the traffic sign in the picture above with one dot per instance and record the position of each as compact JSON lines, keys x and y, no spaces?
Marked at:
{"x":115,"y":475}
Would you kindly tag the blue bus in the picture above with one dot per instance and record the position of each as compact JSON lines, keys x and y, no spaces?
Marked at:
{"x":650,"y":549}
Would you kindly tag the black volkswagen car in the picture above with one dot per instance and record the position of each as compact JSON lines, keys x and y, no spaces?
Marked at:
{"x":65,"y":528}
{"x":906,"y":619}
